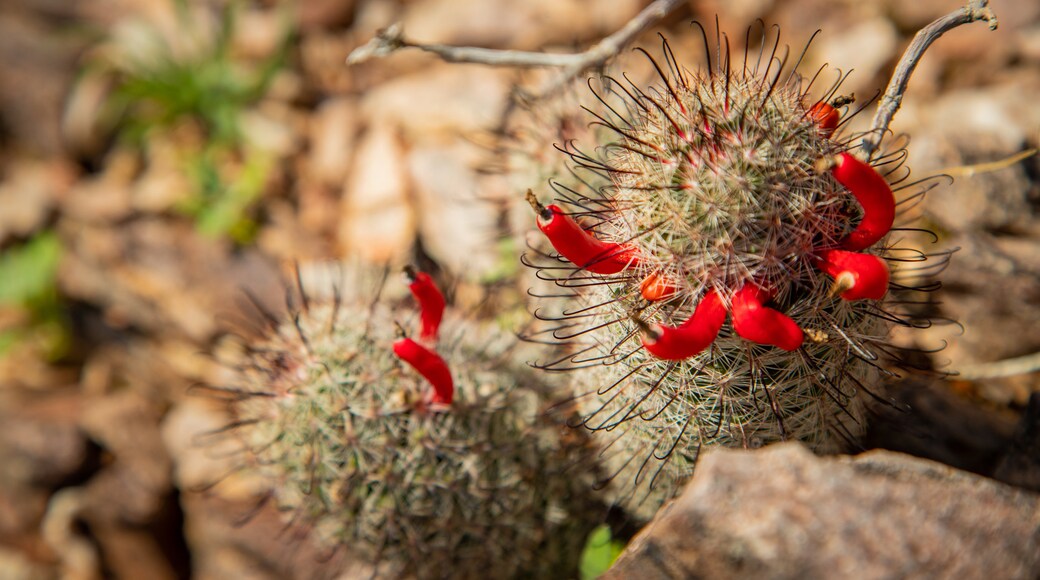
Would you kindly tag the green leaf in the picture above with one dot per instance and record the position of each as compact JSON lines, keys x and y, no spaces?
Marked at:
{"x":599,"y":553}
{"x":28,"y":272}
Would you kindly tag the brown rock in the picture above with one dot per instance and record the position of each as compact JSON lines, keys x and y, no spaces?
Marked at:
{"x":245,"y":539}
{"x":455,"y":219}
{"x":1020,"y":465}
{"x":39,"y":66}
{"x":40,"y":442}
{"x":865,"y":47}
{"x":319,"y":14}
{"x":440,"y":98}
{"x":378,"y":222}
{"x":332,"y":132}
{"x":133,"y":487}
{"x":784,"y":513}
{"x":514,"y":25}
{"x":29,"y":193}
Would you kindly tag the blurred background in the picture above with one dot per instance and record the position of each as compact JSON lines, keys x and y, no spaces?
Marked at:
{"x":158,"y":156}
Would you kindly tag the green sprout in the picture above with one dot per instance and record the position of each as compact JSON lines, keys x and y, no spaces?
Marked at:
{"x":206,"y":91}
{"x":599,"y":553}
{"x":28,"y":283}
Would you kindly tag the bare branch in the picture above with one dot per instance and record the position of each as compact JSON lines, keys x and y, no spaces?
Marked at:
{"x":1022,"y":365}
{"x":973,"y":11}
{"x":573,"y":65}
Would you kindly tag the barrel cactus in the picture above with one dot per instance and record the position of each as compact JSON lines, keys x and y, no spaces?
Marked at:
{"x":427,"y":457}
{"x":728,"y":265}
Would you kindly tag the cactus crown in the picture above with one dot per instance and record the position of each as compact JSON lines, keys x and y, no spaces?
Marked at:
{"x":347,"y":438}
{"x":717,"y":177}
{"x":728,"y":195}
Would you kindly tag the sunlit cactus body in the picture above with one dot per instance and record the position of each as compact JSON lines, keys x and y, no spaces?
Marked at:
{"x":354,"y":446}
{"x":727,"y":285}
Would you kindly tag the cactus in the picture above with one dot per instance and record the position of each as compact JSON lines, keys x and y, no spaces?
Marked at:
{"x":336,"y":414}
{"x":727,"y":264}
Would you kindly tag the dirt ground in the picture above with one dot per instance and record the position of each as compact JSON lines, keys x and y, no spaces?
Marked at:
{"x":157,"y":164}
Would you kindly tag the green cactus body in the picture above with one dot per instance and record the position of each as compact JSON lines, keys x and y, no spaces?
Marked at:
{"x":713,"y":183}
{"x":336,"y":424}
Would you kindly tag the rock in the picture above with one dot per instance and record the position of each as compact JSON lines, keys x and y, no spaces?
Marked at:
{"x":19,"y":566}
{"x":205,"y":455}
{"x":40,"y":65}
{"x":79,"y":558}
{"x":441,"y":98}
{"x":456,"y":220}
{"x":40,"y":442}
{"x":332,"y":132}
{"x":378,"y":222}
{"x":866,"y":48}
{"x":133,"y":487}
{"x":990,"y":288}
{"x":245,"y":539}
{"x":784,"y":513}
{"x":30,"y":192}
{"x":994,"y":201}
{"x":319,"y":14}
{"x":514,"y":25}
{"x":106,"y":197}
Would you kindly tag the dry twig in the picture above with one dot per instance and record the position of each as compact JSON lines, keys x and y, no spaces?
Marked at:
{"x":973,"y":11}
{"x":1011,"y":367}
{"x":573,"y":65}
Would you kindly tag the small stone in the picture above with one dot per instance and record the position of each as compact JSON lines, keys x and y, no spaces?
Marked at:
{"x":378,"y":222}
{"x":865,"y":48}
{"x":456,"y":226}
{"x":442,"y":98}
{"x":333,"y":130}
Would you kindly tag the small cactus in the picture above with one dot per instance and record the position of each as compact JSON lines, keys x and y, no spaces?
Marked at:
{"x":726,"y":257}
{"x":422,"y":474}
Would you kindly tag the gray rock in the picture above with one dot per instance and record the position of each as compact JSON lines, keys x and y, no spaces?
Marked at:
{"x":785,"y":513}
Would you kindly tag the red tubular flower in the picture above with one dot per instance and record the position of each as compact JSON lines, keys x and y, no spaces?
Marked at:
{"x":873,"y":194}
{"x":689,"y":338}
{"x":578,"y":245}
{"x":762,"y":324}
{"x":656,"y":287}
{"x":431,"y":303}
{"x":430,"y":365}
{"x":825,"y":116}
{"x":856,"y":276}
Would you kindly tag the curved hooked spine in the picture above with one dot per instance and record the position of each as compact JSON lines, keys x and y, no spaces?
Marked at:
{"x":579,"y":246}
{"x":761,"y":324}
